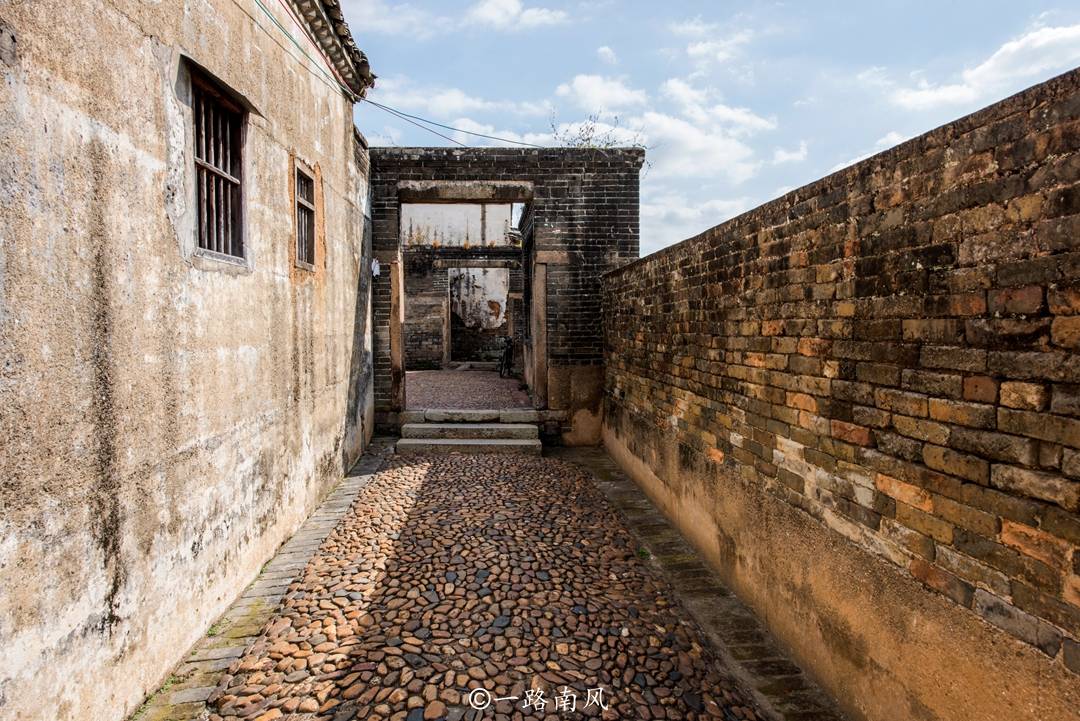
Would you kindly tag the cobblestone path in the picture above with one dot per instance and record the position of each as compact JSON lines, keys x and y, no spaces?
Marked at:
{"x":463,"y":390}
{"x":508,"y":574}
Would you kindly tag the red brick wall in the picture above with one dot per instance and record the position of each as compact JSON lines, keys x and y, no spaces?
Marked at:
{"x":893,"y":350}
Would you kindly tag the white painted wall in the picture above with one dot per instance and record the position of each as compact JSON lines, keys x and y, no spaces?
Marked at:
{"x":478,"y":296}
{"x":455,"y":225}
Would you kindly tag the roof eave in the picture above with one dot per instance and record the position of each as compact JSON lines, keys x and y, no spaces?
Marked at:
{"x":327,"y":25}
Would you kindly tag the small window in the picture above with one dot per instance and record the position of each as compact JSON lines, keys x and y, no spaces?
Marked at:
{"x":305,"y":219}
{"x":218,"y":166}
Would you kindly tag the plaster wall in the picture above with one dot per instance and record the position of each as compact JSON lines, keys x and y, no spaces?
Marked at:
{"x":166,"y":419}
{"x":457,"y":313}
{"x":454,"y":224}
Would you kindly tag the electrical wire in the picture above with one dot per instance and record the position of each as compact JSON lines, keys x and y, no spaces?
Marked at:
{"x":403,"y":115}
{"x":400,"y":116}
{"x":318,"y":65}
{"x":336,"y":79}
{"x":319,"y":48}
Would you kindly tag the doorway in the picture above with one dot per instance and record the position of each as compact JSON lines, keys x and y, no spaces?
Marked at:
{"x":462,"y":296}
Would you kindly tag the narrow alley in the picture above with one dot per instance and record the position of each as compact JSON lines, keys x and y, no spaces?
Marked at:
{"x":328,"y":395}
{"x":472,"y":586}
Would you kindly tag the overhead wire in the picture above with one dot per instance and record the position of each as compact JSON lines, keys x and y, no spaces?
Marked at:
{"x":401,"y":116}
{"x":404,"y":115}
{"x":336,"y":79}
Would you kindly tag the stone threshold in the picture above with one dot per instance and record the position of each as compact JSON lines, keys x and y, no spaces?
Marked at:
{"x":491,"y":415}
{"x":183,"y":695}
{"x":746,"y":648}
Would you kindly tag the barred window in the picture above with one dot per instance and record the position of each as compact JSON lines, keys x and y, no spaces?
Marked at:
{"x":218,"y":165}
{"x":305,"y":218}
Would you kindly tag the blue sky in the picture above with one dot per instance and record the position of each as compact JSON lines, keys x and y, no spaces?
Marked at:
{"x":738,"y":102}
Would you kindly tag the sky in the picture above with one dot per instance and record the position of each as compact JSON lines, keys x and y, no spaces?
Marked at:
{"x":736,"y":102}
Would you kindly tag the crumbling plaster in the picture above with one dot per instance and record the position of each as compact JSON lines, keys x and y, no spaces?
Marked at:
{"x":167,"y":420}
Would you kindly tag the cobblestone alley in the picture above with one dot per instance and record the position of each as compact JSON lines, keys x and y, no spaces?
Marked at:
{"x":485,"y":575}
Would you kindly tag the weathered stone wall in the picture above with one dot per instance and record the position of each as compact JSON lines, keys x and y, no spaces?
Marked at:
{"x":479,"y":308}
{"x":166,"y":420}
{"x":862,"y":402}
{"x":584,"y":205}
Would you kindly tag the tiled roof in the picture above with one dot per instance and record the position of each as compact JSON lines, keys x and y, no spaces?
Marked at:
{"x":327,"y":23}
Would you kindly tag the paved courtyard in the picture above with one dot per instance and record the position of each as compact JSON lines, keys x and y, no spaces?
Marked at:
{"x":463,"y":390}
{"x":455,"y":581}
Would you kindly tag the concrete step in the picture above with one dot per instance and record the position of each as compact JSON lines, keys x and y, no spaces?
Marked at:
{"x":529,"y":446}
{"x":461,"y":416}
{"x":469,"y":430}
{"x":505,"y":415}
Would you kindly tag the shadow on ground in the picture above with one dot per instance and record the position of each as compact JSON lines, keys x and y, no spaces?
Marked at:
{"x":505,"y":573}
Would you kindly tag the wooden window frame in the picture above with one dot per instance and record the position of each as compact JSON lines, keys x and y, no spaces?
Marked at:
{"x":219,"y":171}
{"x":305,"y":218}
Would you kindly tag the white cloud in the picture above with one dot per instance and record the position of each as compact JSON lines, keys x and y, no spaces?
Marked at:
{"x":890,"y":139}
{"x":377,"y":16}
{"x":535,"y":17}
{"x":439,"y":102}
{"x":680,"y":148}
{"x":742,"y":118}
{"x":693,"y":102}
{"x":886,"y":141}
{"x":683,"y":93}
{"x":875,"y":76}
{"x":780,"y":155}
{"x":695,"y":27}
{"x":668,"y":217}
{"x":511,"y":14}
{"x":595,"y":93}
{"x":607,"y":55}
{"x":718,"y":50}
{"x":1033,"y":56}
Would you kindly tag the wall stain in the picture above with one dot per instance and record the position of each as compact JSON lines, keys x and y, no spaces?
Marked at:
{"x":105,"y":506}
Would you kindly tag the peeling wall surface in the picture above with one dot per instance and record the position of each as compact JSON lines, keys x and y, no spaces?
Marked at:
{"x":479,"y":308}
{"x":861,"y":402}
{"x":455,"y":225}
{"x":478,"y":296}
{"x":166,"y":419}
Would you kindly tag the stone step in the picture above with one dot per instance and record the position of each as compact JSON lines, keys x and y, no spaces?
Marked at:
{"x":529,"y":446}
{"x":469,"y":430}
{"x":505,"y":415}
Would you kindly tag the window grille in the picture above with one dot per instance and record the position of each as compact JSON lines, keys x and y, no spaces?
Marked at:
{"x":305,"y":218}
{"x":218,"y":169}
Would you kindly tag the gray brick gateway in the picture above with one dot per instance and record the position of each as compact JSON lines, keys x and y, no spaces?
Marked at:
{"x":581,"y":221}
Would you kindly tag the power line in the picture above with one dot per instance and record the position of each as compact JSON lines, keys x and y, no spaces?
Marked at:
{"x":405,"y":116}
{"x":398,"y":115}
{"x":334,"y":82}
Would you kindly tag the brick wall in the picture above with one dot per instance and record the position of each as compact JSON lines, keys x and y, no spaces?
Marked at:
{"x":426,"y":293}
{"x":893,"y":352}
